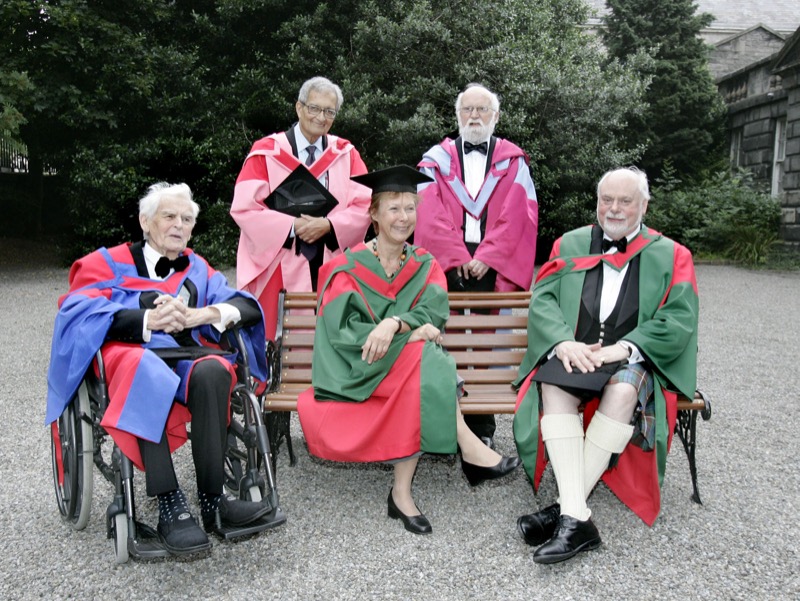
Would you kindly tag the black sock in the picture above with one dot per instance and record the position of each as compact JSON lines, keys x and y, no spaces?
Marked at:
{"x":171,"y":505}
{"x":208,"y":502}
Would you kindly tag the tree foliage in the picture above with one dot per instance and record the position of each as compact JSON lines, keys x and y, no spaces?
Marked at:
{"x":122,"y":95}
{"x":726,"y":217}
{"x":684,"y":122}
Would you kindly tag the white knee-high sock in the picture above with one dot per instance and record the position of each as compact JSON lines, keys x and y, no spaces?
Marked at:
{"x":604,"y":436}
{"x":563,"y":436}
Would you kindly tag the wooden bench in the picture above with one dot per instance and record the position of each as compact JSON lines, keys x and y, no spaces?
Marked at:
{"x":487,"y":348}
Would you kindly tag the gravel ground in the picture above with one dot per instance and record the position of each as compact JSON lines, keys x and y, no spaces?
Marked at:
{"x":742,"y":543}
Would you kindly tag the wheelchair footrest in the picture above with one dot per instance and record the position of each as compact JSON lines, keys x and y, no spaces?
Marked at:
{"x":146,"y":544}
{"x":274,"y":518}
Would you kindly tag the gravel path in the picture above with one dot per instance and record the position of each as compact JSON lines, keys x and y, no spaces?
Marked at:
{"x":339,"y":544}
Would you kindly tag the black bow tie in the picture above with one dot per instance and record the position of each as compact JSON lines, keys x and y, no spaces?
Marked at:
{"x":621,"y":244}
{"x":164,"y":265}
{"x":483,"y":147}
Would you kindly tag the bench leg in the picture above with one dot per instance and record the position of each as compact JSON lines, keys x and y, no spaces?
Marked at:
{"x":278,"y":428}
{"x":685,"y":427}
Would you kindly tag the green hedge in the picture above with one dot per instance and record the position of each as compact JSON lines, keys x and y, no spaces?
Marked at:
{"x":726,"y":217}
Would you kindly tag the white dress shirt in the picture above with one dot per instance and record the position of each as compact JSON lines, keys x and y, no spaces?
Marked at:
{"x":474,"y":174}
{"x":302,"y":150}
{"x":612,"y":284}
{"x":302,"y":154}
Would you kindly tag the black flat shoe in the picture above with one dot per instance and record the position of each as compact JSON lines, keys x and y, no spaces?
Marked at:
{"x":537,"y":528}
{"x":571,"y":538}
{"x":182,"y":535}
{"x":476,"y":474}
{"x":233,"y":512}
{"x":418,"y":524}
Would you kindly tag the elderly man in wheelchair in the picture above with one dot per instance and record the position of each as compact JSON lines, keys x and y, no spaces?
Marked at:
{"x":153,"y":317}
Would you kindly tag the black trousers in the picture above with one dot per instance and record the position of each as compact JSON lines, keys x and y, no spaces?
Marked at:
{"x":207,"y":400}
{"x":481,"y":425}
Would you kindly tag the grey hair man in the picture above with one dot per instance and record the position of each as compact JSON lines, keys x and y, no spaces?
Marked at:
{"x":479,"y":217}
{"x":282,"y":245}
{"x":622,"y":349}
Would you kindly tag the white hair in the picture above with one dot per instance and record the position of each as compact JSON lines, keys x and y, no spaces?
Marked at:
{"x":641,"y":180}
{"x":493,"y":99}
{"x":322,"y":85}
{"x":148,"y":204}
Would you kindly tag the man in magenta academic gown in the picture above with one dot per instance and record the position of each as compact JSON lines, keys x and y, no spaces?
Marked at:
{"x":480,"y":216}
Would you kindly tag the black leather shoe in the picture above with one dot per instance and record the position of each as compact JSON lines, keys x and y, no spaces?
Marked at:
{"x":537,"y":528}
{"x":488,"y":441}
{"x":476,"y":474}
{"x":418,"y":524}
{"x":182,"y":535}
{"x":233,"y":512}
{"x":572,"y":537}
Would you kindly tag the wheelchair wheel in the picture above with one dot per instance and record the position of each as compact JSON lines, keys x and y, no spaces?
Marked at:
{"x":235,"y":476}
{"x":72,"y":446}
{"x":253,"y":493}
{"x":121,"y":538}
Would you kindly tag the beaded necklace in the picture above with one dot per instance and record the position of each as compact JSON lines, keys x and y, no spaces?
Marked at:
{"x":399,"y":265}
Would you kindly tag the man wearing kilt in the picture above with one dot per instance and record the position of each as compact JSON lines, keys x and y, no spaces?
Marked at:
{"x":612,"y":324}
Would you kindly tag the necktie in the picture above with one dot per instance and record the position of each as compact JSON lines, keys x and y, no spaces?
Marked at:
{"x":164,"y":265}
{"x":621,"y":244}
{"x":483,"y":147}
{"x":310,"y":158}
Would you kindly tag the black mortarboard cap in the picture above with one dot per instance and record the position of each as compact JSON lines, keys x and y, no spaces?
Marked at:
{"x":301,"y":194}
{"x":553,"y":372}
{"x":400,"y":178}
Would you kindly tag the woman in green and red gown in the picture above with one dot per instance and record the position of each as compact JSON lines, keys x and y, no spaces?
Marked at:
{"x":383,"y":387}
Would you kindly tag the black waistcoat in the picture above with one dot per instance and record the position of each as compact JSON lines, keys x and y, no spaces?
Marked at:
{"x":625,"y":314}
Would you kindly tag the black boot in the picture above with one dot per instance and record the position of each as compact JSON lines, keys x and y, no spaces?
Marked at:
{"x":220,"y":511}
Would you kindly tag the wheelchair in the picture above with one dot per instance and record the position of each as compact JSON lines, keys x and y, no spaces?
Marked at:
{"x":79,"y":443}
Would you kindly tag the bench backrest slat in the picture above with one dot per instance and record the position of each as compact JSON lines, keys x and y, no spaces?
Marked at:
{"x":482,"y":342}
{"x":491,"y":322}
{"x":486,"y":346}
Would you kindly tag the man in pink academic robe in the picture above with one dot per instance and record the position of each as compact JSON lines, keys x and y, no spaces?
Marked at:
{"x":278,"y":250}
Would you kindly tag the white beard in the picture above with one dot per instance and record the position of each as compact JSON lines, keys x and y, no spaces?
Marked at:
{"x":615,"y":231}
{"x":476,"y":135}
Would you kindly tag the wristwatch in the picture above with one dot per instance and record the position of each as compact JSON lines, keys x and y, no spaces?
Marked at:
{"x":399,"y":322}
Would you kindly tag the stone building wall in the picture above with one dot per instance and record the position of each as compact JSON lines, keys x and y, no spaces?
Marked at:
{"x":790,"y":203}
{"x":764,"y":124}
{"x":743,"y":49}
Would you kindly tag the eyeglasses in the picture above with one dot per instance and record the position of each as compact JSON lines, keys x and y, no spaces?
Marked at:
{"x":482,"y":110}
{"x":314,"y":110}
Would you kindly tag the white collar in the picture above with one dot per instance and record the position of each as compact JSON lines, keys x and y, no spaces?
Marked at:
{"x":151,"y":257}
{"x":303,"y":143}
{"x":150,"y":253}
